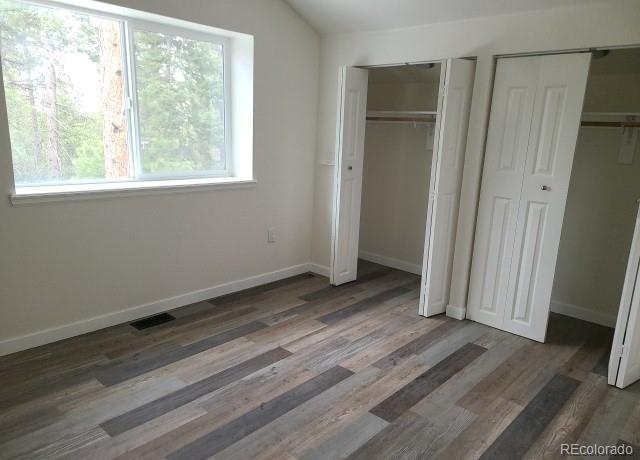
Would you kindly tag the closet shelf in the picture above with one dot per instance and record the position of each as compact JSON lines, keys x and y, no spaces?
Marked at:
{"x":398,"y":116}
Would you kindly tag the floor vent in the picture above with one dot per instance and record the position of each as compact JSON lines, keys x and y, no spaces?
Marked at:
{"x":152,"y":321}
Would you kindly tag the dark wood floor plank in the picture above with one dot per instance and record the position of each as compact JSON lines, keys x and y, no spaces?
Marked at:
{"x":214,"y":316}
{"x":402,"y":400}
{"x":224,"y":406}
{"x":12,"y":427}
{"x":42,"y":387}
{"x":454,"y":388}
{"x":312,"y":305}
{"x":498,"y":381}
{"x":483,"y":431}
{"x":121,"y":371}
{"x":321,"y":357}
{"x":330,"y":292}
{"x":345,"y":442}
{"x":226,"y":435}
{"x":362,"y":305}
{"x":572,"y":419}
{"x":187,"y":329}
{"x":40,"y":360}
{"x":520,"y":435}
{"x":583,"y":362}
{"x":414,"y":437}
{"x":375,"y":315}
{"x":39,"y":411}
{"x":308,"y":424}
{"x":419,"y":344}
{"x":385,"y":443}
{"x":110,"y":448}
{"x":251,"y":293}
{"x":613,"y":416}
{"x":287,"y":282}
{"x":409,"y":329}
{"x":83,"y":415}
{"x":65,"y":444}
{"x":630,"y":432}
{"x":602,"y":366}
{"x":153,"y":409}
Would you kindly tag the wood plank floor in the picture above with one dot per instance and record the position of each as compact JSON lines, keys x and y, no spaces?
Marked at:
{"x":300,"y":370}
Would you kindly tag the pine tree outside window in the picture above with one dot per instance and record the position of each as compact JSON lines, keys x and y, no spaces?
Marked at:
{"x":98,"y":98}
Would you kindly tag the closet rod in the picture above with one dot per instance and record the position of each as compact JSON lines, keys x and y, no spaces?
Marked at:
{"x":612,"y":124}
{"x":403,"y":119}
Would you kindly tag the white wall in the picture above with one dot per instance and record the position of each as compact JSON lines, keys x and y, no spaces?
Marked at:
{"x":609,"y":24}
{"x":407,"y":96}
{"x":404,"y":88}
{"x":395,"y":186}
{"x":72,"y":262}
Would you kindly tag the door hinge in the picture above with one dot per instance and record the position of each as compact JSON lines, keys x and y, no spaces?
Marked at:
{"x":619,"y":351}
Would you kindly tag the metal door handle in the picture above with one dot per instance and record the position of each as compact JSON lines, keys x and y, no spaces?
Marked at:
{"x":546,"y":188}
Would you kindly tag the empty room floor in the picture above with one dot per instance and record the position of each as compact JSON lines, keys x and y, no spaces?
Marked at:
{"x":299,"y":369}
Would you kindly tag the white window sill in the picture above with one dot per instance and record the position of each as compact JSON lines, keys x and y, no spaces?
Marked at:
{"x":50,"y":193}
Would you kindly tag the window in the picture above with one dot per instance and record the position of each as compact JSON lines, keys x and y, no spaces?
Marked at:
{"x":179,"y":87}
{"x":101,"y":98}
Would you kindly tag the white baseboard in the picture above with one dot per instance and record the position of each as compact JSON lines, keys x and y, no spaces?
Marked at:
{"x":318,"y":269}
{"x":583,"y":313}
{"x":391,"y":262}
{"x":54,"y":334}
{"x":453,"y":311}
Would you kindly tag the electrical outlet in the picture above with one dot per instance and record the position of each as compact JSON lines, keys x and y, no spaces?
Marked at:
{"x":271,"y":235}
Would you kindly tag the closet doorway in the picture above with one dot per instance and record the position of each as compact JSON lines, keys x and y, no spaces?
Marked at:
{"x":558,"y":226}
{"x":400,"y":140}
{"x":402,"y":103}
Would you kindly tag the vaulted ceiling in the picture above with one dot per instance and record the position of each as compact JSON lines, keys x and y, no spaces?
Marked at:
{"x":330,"y":16}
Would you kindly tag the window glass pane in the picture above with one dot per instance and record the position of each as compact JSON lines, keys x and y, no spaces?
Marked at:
{"x":63,"y":79}
{"x":180,"y":95}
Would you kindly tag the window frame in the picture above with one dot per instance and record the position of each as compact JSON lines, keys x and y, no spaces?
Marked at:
{"x":128,"y":25}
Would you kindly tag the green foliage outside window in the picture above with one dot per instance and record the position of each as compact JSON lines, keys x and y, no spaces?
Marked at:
{"x":64,"y":88}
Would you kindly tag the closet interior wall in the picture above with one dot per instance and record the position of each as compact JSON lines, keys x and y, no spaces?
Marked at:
{"x":397,"y":165}
{"x":601,"y":205}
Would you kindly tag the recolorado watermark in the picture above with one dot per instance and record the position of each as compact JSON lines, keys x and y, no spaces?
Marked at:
{"x":591,"y":450}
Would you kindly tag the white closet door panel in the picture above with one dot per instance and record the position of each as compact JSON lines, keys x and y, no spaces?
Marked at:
{"x":351,"y":119}
{"x":554,"y":131}
{"x":446,"y":181}
{"x":630,"y":363}
{"x":440,"y":274}
{"x":624,"y":362}
{"x":507,"y":141}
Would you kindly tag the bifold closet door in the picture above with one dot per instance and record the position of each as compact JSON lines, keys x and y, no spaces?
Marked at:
{"x":446,"y":180}
{"x":350,"y":130}
{"x":533,"y":128}
{"x":624,"y":362}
